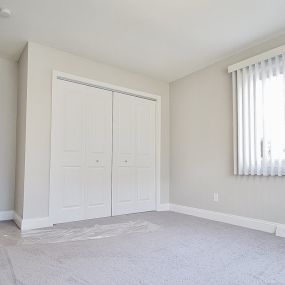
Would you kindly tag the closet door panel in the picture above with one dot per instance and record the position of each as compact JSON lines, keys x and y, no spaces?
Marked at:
{"x":81,"y":152}
{"x":98,"y":113}
{"x":145,"y":162}
{"x":133,"y":182}
{"x":123,"y":179}
{"x":68,"y":154}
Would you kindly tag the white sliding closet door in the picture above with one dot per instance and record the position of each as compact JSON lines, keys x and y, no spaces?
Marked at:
{"x":133,"y":184}
{"x":81,"y":152}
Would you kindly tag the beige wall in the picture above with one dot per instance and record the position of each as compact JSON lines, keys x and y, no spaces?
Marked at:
{"x":42,"y":61}
{"x":201,"y":147}
{"x":8,"y":111}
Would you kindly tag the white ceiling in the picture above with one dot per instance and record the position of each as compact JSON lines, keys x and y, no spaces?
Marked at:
{"x":165,"y":39}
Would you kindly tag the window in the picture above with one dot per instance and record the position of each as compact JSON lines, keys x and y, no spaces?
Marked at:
{"x":259,"y":114}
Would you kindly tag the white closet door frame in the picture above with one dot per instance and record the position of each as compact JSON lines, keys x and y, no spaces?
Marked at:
{"x":57,"y":75}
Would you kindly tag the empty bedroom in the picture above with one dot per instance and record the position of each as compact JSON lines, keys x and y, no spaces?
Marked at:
{"x":142,"y":142}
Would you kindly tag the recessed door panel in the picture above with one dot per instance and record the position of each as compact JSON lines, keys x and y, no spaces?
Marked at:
{"x":146,"y":188}
{"x":95,"y":179}
{"x":126,"y":184}
{"x":72,"y":121}
{"x":72,"y":187}
{"x":125,"y":114}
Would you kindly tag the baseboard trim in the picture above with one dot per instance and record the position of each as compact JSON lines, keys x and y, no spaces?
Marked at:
{"x":6,"y":215}
{"x":30,"y":224}
{"x":280,"y":230}
{"x":255,"y":224}
{"x":17,"y":220}
{"x":163,"y":207}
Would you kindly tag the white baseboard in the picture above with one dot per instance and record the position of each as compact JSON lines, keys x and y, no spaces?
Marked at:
{"x":163,"y":207}
{"x":250,"y":223}
{"x":18,"y":220}
{"x":29,"y":224}
{"x":256,"y":224}
{"x":6,"y":215}
{"x":280,"y":230}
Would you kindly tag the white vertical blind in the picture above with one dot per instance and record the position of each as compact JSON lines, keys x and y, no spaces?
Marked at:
{"x":259,"y":91}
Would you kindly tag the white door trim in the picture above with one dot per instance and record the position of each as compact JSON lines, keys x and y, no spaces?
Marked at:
{"x":58,"y":75}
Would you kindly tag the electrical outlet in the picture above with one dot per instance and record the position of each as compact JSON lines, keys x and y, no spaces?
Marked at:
{"x":216,"y":197}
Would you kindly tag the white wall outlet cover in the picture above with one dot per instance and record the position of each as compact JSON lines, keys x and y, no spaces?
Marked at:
{"x":216,"y":197}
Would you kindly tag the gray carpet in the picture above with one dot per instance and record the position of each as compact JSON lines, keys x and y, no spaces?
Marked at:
{"x":148,"y":248}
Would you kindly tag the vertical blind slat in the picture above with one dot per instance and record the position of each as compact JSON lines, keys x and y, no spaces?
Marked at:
{"x":235,"y":136}
{"x":280,"y":72}
{"x":282,"y":171}
{"x":257,"y":114}
{"x":270,"y":66}
{"x":245,"y":121}
{"x":264,"y":153}
{"x":240,"y":124}
{"x":251,"y":116}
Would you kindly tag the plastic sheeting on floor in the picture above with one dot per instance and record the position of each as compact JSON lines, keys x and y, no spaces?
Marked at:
{"x":57,"y":235}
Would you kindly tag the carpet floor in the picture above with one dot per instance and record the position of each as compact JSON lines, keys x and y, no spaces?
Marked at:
{"x":146,"y":248}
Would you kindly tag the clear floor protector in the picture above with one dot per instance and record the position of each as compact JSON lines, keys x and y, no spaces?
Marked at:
{"x":57,"y":235}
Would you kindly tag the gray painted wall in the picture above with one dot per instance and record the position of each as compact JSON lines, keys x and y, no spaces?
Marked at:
{"x":201,"y":147}
{"x":8,"y":113}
